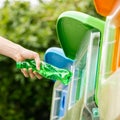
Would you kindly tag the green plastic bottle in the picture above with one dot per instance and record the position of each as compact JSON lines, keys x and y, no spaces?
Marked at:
{"x":46,"y":70}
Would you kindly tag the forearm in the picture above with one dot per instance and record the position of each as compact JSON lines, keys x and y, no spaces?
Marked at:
{"x":9,"y":48}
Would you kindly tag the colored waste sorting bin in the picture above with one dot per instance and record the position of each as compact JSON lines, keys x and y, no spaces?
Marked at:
{"x":56,"y":57}
{"x":94,"y":45}
{"x":59,"y":101}
{"x":110,"y":63}
{"x":106,"y":7}
{"x":80,"y":36}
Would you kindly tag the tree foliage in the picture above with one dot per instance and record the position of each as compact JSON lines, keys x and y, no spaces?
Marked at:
{"x":34,"y":28}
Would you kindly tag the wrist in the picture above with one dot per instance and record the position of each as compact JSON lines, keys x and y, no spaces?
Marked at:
{"x":18,"y":54}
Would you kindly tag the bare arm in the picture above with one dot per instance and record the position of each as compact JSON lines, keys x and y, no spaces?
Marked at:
{"x":19,"y":53}
{"x":9,"y":48}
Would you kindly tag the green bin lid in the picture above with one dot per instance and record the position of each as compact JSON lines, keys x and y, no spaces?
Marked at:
{"x":72,"y":26}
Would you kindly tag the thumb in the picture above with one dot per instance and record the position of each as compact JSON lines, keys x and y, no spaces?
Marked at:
{"x":37,"y":61}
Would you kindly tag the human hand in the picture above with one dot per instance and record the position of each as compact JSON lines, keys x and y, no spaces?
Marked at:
{"x":28,"y":54}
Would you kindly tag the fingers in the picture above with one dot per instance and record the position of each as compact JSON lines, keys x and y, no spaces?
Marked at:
{"x":25,"y":72}
{"x":30,"y":73}
{"x":37,"y":75}
{"x":37,"y":60}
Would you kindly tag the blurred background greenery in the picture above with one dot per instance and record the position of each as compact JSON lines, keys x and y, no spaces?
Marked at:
{"x":34,"y":28}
